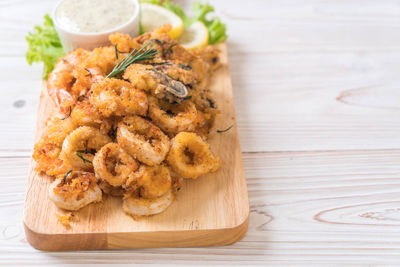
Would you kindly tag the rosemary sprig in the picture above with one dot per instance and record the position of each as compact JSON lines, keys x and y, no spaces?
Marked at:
{"x":89,"y":73}
{"x":83,"y":151}
{"x":185,"y":66}
{"x":81,"y":157}
{"x":168,"y":50}
{"x":169,"y":113}
{"x":69,"y":113}
{"x":114,"y":133}
{"x":81,"y":97}
{"x":66,"y":175}
{"x":227,"y":129}
{"x":116,"y":51}
{"x":133,"y":57}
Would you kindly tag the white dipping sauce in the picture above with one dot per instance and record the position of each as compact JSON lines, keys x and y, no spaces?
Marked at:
{"x":94,"y":15}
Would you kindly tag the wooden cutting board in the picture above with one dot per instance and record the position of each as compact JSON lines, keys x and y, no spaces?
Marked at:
{"x":212,"y":210}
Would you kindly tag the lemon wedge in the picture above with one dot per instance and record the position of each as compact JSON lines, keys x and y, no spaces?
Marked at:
{"x":152,"y":17}
{"x":195,"y":36}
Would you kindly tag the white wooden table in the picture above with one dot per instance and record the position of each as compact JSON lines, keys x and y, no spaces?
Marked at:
{"x":317,"y":94}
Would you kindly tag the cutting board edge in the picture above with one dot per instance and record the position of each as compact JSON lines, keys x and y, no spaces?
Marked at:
{"x":211,"y":236}
{"x":155,"y":239}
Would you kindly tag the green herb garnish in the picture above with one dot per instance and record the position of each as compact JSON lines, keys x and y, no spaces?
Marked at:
{"x":116,"y":51}
{"x":69,"y":114}
{"x":81,"y":97}
{"x":66,"y":175}
{"x":216,"y":29}
{"x":89,"y":73}
{"x":185,"y":66}
{"x":82,"y":158}
{"x":169,"y":49}
{"x":114,"y":134}
{"x":133,"y":57}
{"x":227,"y":129}
{"x":211,"y":102}
{"x":169,"y":113}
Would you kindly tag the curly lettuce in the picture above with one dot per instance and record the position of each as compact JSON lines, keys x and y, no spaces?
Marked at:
{"x":154,"y":2}
{"x":216,"y":29}
{"x":44,"y":46}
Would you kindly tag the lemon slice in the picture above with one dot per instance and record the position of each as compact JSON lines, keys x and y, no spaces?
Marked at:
{"x":152,"y":17}
{"x":195,"y":36}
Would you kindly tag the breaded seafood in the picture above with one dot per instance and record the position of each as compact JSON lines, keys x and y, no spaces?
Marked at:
{"x":126,"y":127}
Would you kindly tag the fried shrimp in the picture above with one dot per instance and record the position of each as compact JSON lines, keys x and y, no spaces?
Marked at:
{"x":76,"y":190}
{"x":61,"y":80}
{"x":85,"y":77}
{"x":79,"y":147}
{"x":113,"y":164}
{"x":118,"y":97}
{"x":143,"y":140}
{"x":146,"y":207}
{"x":47,"y":149}
{"x":152,"y":182}
{"x":115,"y":191}
{"x":173,"y":118}
{"x":190,"y":156}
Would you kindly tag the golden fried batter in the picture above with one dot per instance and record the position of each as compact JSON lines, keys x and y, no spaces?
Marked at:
{"x":115,"y":136}
{"x":190,"y":156}
{"x":47,"y":149}
{"x":117,"y":97}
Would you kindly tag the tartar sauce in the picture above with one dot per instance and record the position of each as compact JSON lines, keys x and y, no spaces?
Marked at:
{"x":88,"y":16}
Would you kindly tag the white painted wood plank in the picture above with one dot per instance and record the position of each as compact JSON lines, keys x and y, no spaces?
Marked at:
{"x":322,"y":77}
{"x":346,"y":210}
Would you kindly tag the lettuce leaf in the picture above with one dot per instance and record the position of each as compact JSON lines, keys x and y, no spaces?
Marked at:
{"x":178,"y":11}
{"x":216,"y":29}
{"x":154,"y":2}
{"x":44,"y":46}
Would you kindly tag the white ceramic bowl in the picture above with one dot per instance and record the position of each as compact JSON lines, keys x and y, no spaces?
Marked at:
{"x":72,"y":40}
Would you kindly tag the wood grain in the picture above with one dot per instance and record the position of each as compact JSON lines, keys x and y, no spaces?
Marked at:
{"x":316,"y":77}
{"x":212,"y":210}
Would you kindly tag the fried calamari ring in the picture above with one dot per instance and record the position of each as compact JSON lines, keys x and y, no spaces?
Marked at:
{"x":118,"y":97}
{"x":146,"y":207}
{"x":75,"y":191}
{"x":84,"y":114}
{"x":143,"y":140}
{"x":80,"y":146}
{"x":115,"y":191}
{"x":152,"y":182}
{"x":173,"y":118}
{"x":190,"y":156}
{"x":113,"y":164}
